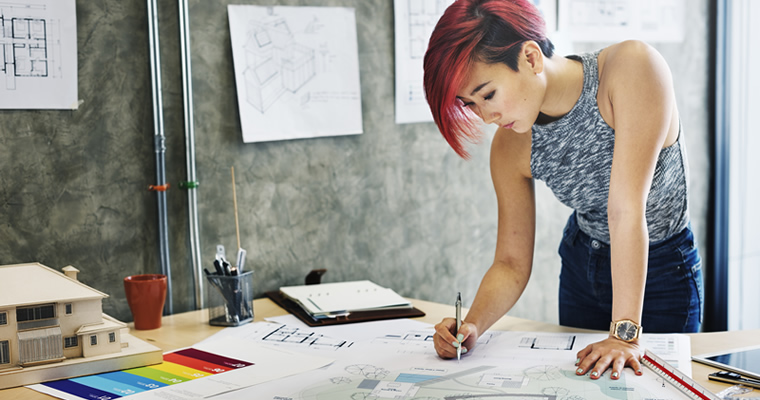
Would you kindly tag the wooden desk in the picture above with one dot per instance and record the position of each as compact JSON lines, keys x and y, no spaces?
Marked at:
{"x":186,"y":329}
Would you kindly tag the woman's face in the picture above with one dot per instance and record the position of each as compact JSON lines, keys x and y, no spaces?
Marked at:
{"x":499,"y":95}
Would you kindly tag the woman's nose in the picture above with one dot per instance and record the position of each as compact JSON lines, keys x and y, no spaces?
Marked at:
{"x":490,"y":117}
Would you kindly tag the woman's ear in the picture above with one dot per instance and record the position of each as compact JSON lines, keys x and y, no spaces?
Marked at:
{"x":531,"y":53}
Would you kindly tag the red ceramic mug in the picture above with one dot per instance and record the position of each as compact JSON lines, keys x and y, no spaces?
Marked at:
{"x":146,"y":295}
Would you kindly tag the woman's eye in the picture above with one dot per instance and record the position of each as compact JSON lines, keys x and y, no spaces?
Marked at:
{"x":489,"y":96}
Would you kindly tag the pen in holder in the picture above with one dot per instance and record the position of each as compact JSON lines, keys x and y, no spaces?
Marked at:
{"x":230,"y":299}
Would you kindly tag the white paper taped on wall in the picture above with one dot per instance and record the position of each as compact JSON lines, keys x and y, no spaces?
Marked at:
{"x":296,"y":71}
{"x":38,"y":44}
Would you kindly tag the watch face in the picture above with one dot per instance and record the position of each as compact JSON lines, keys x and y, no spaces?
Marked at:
{"x":626,"y":330}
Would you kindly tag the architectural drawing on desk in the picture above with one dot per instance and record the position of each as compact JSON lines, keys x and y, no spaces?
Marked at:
{"x":275,"y":63}
{"x":548,"y":342}
{"x":295,"y":335}
{"x":508,"y":379}
{"x":34,"y":62}
{"x":417,"y":342}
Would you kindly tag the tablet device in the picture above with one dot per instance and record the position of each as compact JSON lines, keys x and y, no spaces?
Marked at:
{"x":745,"y":361}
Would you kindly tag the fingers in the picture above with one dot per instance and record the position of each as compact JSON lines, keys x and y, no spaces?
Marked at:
{"x":446,"y":340}
{"x":445,"y":329}
{"x":635,"y":364}
{"x":583,"y":353}
{"x":609,"y":354}
{"x":617,"y":368}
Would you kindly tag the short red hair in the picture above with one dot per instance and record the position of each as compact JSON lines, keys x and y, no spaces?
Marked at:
{"x":490,"y":31}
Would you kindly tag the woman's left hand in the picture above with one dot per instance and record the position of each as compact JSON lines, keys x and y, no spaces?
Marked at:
{"x":609,"y":353}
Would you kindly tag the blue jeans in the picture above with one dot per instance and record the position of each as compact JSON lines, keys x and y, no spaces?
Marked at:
{"x":674,"y":295}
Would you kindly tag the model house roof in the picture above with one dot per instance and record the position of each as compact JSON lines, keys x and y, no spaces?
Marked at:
{"x":34,"y":283}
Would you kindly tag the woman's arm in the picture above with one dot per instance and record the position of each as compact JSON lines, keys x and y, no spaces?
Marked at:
{"x":636,"y":94}
{"x":507,"y":277}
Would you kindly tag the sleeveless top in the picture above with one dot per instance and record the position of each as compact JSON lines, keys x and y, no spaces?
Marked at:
{"x":573,"y":156}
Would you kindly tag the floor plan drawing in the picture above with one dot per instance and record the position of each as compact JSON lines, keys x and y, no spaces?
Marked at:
{"x":294,"y":335}
{"x":423,"y":15}
{"x":38,"y":54}
{"x":547,"y":342}
{"x":614,"y":20}
{"x":507,"y":379}
{"x":296,"y":71}
{"x":504,"y":366}
{"x":414,"y":23}
{"x":417,"y":341}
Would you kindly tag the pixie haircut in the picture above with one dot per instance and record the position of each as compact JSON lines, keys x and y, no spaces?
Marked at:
{"x":490,"y":31}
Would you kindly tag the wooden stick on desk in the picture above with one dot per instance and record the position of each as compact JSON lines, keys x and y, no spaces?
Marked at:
{"x":234,"y":204}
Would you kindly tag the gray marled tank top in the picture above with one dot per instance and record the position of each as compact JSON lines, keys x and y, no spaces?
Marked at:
{"x":573,"y":155}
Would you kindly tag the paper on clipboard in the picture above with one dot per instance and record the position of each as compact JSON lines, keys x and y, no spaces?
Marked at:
{"x":327,"y":299}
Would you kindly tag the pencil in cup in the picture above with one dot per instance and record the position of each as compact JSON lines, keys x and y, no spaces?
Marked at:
{"x":230,"y":299}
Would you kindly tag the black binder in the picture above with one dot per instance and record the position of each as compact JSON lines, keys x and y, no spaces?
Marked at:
{"x":356,"y":316}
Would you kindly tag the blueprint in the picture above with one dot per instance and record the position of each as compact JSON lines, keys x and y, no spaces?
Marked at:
{"x":617,"y":20}
{"x":414,"y":23}
{"x":38,"y":54}
{"x":296,"y":71}
{"x":503,"y":366}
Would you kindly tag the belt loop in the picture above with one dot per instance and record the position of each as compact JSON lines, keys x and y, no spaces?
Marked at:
{"x":571,"y":229}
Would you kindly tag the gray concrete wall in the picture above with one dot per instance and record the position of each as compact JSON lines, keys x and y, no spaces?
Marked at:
{"x":394,"y":205}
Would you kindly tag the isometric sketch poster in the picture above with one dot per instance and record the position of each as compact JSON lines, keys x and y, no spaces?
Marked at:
{"x":296,"y":71}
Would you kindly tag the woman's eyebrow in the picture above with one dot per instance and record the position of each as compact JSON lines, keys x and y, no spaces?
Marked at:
{"x":477,"y":88}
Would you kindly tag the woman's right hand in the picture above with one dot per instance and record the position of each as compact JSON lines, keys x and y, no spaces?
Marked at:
{"x":445,"y":338}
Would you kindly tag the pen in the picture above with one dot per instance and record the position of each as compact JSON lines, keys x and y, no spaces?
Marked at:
{"x":459,"y":323}
{"x":218,"y":267}
{"x":732,"y":377}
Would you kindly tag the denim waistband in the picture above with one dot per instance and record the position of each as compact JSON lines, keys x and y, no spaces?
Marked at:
{"x":573,"y":234}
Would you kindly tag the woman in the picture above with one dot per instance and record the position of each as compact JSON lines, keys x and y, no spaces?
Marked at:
{"x":602,"y":130}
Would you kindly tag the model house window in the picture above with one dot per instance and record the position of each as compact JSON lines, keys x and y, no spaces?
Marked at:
{"x":93,"y":340}
{"x":112,"y":337}
{"x":71,"y":341}
{"x":46,"y":311}
{"x":5,"y":356}
{"x":3,"y":318}
{"x":69,"y":309}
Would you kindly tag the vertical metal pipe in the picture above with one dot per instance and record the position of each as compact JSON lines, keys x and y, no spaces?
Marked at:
{"x":160,"y":149}
{"x":192,"y":193}
{"x":716,"y":277}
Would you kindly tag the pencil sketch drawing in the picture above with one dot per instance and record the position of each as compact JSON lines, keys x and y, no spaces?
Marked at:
{"x":275,"y":62}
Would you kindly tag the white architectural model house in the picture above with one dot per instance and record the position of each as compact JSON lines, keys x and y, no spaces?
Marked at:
{"x":52,"y":327}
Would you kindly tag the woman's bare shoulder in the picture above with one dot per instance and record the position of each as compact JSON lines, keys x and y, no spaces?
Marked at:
{"x":624,"y":59}
{"x":510,"y":153}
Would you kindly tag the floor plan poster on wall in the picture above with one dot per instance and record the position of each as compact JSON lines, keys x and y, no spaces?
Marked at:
{"x":617,"y":20}
{"x":38,"y":62}
{"x":296,"y":71}
{"x":414,"y":23}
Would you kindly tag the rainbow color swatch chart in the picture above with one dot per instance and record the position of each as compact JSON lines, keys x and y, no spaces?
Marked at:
{"x":179,"y":366}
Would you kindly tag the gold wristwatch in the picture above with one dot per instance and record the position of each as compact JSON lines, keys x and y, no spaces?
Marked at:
{"x":625,"y":330}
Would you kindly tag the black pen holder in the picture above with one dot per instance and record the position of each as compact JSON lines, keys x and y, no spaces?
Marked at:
{"x":230,"y":299}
